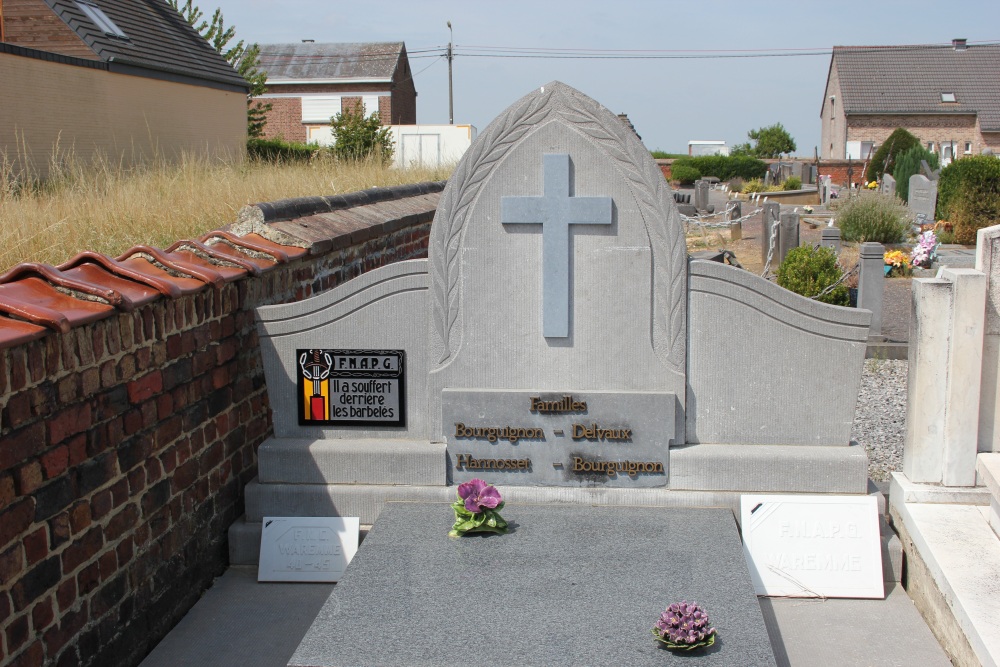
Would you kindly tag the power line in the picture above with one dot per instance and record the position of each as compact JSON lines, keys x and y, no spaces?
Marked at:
{"x":550,"y":53}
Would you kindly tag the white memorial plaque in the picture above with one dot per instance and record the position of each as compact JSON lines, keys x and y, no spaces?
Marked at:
{"x":300,"y":548}
{"x":813,"y":546}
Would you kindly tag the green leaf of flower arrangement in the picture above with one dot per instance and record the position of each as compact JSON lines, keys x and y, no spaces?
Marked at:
{"x":683,"y":647}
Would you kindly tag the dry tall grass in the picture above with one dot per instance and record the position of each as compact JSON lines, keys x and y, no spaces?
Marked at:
{"x":107,"y":208}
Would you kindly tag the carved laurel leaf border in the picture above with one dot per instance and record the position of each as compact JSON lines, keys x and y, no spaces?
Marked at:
{"x":463,"y":189}
{"x":669,"y":330}
{"x":650,"y":188}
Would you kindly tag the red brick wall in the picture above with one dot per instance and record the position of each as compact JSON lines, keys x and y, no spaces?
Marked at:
{"x":124,"y":449}
{"x":837,"y":170}
{"x":404,"y":94}
{"x":351,"y":104}
{"x":385,"y":109}
{"x":32,"y":24}
{"x":284,"y":120}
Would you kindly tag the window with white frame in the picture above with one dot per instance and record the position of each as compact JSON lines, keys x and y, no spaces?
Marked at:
{"x":930,"y":146}
{"x":968,"y":147}
{"x":320,"y":108}
{"x":100,"y":19}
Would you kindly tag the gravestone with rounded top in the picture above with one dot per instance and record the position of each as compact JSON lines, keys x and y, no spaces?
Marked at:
{"x":922,"y":198}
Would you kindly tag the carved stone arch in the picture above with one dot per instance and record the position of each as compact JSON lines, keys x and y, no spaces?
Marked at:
{"x":557,"y":102}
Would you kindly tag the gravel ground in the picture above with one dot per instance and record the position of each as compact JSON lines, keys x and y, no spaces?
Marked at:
{"x":880,"y":418}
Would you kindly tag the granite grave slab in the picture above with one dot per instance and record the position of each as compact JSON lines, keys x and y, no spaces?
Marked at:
{"x":569,"y":586}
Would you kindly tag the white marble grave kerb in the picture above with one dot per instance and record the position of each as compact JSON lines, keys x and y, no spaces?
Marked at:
{"x":556,"y":210}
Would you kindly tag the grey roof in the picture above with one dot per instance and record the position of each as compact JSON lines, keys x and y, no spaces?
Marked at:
{"x":910,"y":79}
{"x":158,"y":40}
{"x":323,"y":62}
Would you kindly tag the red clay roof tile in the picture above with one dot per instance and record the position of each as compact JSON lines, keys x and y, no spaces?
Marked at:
{"x":35,"y":300}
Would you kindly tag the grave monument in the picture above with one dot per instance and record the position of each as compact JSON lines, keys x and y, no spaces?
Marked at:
{"x":559,"y":343}
{"x":557,"y":335}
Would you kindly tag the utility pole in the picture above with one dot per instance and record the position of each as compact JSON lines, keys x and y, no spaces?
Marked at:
{"x":451,"y":90}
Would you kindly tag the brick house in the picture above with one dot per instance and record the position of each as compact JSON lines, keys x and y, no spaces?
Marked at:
{"x":121,"y":79}
{"x":308,"y":83}
{"x":946,"y":95}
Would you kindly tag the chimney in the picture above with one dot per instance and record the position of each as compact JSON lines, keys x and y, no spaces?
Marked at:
{"x":958,"y":44}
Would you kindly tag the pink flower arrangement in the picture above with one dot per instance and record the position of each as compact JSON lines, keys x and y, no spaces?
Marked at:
{"x":477,"y":509}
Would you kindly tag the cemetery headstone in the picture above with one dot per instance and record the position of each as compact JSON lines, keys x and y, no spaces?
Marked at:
{"x":735,"y":209}
{"x":922,"y":198}
{"x":888,"y":185}
{"x":788,"y":237}
{"x":701,"y":194}
{"x":770,"y":218}
{"x":830,"y":238}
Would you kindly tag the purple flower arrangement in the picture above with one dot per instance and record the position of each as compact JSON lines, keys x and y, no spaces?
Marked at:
{"x":477,"y":509}
{"x":684,"y":626}
{"x":925,"y":251}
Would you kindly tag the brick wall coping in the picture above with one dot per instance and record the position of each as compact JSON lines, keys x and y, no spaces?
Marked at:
{"x":288,"y":209}
{"x":38,"y":298}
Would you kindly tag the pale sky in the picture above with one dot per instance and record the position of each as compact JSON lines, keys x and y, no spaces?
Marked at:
{"x":669,"y":100}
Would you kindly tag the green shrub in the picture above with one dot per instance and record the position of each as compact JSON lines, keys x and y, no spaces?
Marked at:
{"x":684,"y":174}
{"x":872,"y":216}
{"x":975,"y":173}
{"x":725,"y":167}
{"x":908,"y":164}
{"x":279,"y":150}
{"x":808,"y":271}
{"x":972,"y":209}
{"x":753,"y":186}
{"x":663,"y":155}
{"x":792,"y":183}
{"x":359,"y":138}
{"x":884,"y":159}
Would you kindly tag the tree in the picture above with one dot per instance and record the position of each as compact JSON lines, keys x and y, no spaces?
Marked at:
{"x":244,"y":58}
{"x":769,"y":142}
{"x":360,"y":138}
{"x":908,"y":164}
{"x":884,"y":159}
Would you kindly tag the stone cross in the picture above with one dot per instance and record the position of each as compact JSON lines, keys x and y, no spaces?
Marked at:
{"x":556,"y":210}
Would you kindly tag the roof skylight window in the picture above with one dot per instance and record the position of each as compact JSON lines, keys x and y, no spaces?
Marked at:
{"x":948,"y":97}
{"x":100,"y":19}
